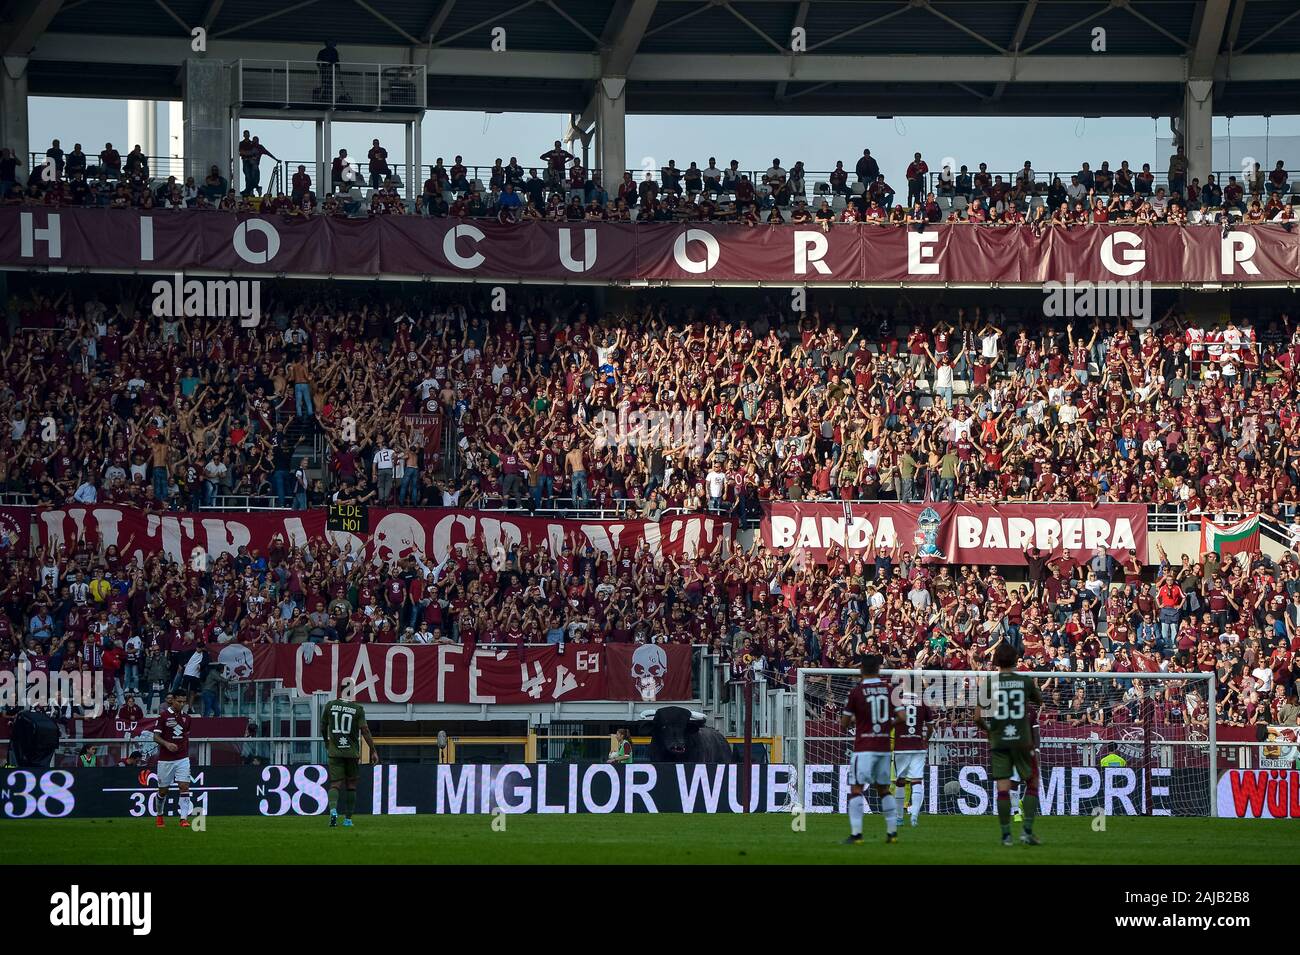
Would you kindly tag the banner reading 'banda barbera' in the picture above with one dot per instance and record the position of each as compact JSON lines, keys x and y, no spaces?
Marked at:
{"x":415,"y":246}
{"x":955,"y":533}
{"x":394,"y":534}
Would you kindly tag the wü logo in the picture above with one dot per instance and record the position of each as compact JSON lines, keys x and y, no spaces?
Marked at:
{"x":75,"y":908}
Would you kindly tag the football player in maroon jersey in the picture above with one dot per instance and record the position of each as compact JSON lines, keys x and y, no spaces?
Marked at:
{"x":872,"y":712}
{"x":909,"y":751}
{"x":172,"y":734}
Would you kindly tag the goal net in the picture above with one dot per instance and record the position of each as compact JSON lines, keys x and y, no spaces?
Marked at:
{"x":1109,"y":743}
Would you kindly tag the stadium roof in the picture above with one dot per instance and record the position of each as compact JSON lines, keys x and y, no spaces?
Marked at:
{"x":872,"y":57}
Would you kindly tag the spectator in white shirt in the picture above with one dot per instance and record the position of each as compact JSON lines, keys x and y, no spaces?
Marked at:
{"x":716,"y":482}
{"x":382,"y":466}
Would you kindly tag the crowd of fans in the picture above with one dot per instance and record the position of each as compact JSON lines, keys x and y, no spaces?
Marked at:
{"x":106,"y":403}
{"x":652,"y":409}
{"x":562,"y":189}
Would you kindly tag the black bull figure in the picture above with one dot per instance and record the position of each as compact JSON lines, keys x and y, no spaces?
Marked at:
{"x":679,"y":736}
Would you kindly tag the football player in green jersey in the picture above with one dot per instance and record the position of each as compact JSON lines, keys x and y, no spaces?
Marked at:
{"x":1012,"y":744}
{"x":343,"y":724}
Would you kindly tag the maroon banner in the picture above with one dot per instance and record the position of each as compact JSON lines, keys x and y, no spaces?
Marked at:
{"x":393,"y":535}
{"x":650,"y":671}
{"x":452,"y":673}
{"x":721,"y":253}
{"x":181,"y":240}
{"x":201,"y":727}
{"x":955,"y":533}
{"x":16,"y":528}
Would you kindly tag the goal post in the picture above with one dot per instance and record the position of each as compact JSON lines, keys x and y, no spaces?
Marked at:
{"x":1109,"y":743}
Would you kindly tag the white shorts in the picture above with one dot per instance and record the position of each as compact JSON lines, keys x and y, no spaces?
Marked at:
{"x":869,"y":769}
{"x":910,"y":765}
{"x":171,"y":771}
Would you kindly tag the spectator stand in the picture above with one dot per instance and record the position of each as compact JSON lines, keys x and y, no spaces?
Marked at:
{"x":325,"y":93}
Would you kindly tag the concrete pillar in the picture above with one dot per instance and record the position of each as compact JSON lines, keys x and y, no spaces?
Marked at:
{"x":408,"y":160}
{"x":611,"y":131}
{"x":206,"y":105}
{"x":324,"y":158}
{"x":1198,"y":128}
{"x":13,"y":112}
{"x":176,"y":138}
{"x":142,"y":126}
{"x":417,"y":160}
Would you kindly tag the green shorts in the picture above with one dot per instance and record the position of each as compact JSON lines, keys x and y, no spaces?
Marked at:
{"x":1023,"y":762}
{"x":343,"y":768}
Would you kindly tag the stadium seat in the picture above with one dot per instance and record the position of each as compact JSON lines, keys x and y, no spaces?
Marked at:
{"x":859,"y":188}
{"x":838,"y":204}
{"x":960,"y":203}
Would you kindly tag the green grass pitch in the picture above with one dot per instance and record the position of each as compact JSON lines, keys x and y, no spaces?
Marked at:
{"x":642,"y":840}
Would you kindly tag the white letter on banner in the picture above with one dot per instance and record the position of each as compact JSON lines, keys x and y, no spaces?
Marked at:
{"x":782,"y":530}
{"x":589,"y":800}
{"x":107,"y":520}
{"x":240,"y":241}
{"x":169,"y":530}
{"x":475,"y":673}
{"x":643,"y":789}
{"x":711,"y":251}
{"x":50,"y":235}
{"x":970,"y":531}
{"x":53,"y":521}
{"x":588,"y":250}
{"x":455,"y":796}
{"x":917,"y":252}
{"x":453,"y":256}
{"x":1238,"y":247}
{"x":407,"y":656}
{"x":225,"y":537}
{"x":809,"y":249}
{"x":1134,"y":258}
{"x":146,"y":238}
{"x":445,"y":666}
{"x":522,"y":792}
{"x":1020,"y":533}
{"x":365,"y":683}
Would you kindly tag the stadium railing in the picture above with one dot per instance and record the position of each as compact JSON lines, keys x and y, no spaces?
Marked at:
{"x":595,"y":748}
{"x":160,"y":167}
{"x":305,"y":84}
{"x":205,"y":751}
{"x":816,"y":182}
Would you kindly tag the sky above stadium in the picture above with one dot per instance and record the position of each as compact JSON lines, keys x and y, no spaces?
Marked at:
{"x":1004,"y":143}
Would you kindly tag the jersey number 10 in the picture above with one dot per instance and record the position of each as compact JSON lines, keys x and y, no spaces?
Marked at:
{"x":879,"y":711}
